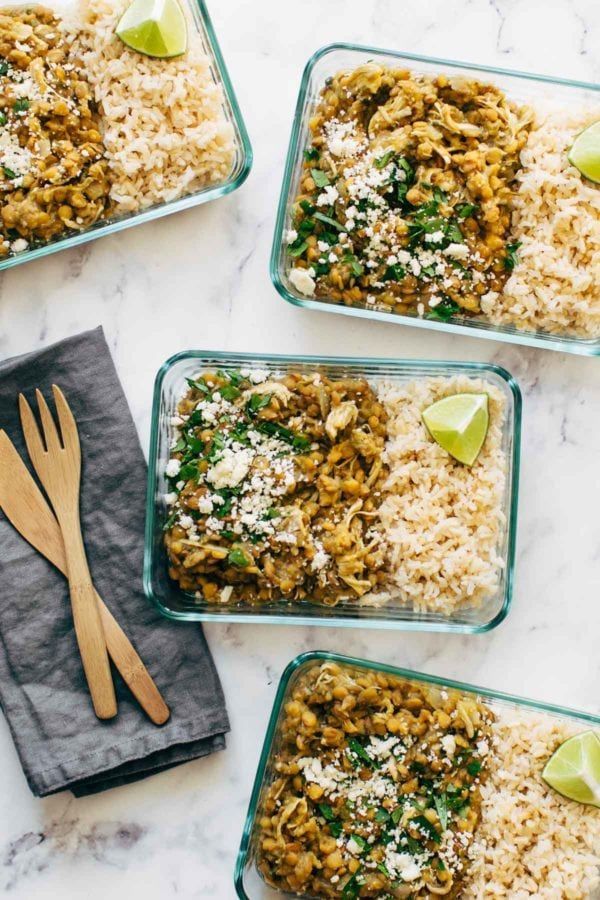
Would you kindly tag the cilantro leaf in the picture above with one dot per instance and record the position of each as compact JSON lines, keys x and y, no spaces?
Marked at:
{"x":320,"y":178}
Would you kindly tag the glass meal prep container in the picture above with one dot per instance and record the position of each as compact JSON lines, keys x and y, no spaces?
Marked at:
{"x":174,"y":603}
{"x":518,"y":86}
{"x":242,"y":154}
{"x":249,"y":882}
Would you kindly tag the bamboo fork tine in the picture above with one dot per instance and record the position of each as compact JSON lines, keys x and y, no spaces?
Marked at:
{"x":51,"y":438}
{"x":33,"y":438}
{"x":68,"y":426}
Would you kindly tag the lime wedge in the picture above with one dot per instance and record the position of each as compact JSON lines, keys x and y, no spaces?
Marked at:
{"x":154,"y":27}
{"x":459,"y":424}
{"x":585,"y":153}
{"x":574,"y":769}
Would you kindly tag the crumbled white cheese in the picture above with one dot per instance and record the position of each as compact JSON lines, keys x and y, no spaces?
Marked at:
{"x":303,"y":282}
{"x":448,"y":742}
{"x":172,"y":469}
{"x":457,"y":251}
{"x":230,"y":469}
{"x":291,"y":236}
{"x":205,"y":506}
{"x":171,"y":498}
{"x":186,"y":522}
{"x":328,"y":196}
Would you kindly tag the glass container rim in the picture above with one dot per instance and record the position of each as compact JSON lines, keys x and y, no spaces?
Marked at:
{"x":382,"y":623}
{"x":402,"y":672}
{"x":212,"y":192}
{"x":540,"y":340}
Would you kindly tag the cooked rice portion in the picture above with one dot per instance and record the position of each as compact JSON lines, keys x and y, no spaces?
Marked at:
{"x":555,"y":285}
{"x":531,"y":841}
{"x":164,"y":129}
{"x":444,"y":520}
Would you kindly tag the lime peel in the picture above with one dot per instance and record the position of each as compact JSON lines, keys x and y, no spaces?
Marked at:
{"x":459,"y":424}
{"x":154,"y":27}
{"x":585,"y":152}
{"x":573,"y":770}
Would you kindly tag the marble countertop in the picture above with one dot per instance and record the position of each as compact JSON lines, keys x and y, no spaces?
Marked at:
{"x":200,"y":280}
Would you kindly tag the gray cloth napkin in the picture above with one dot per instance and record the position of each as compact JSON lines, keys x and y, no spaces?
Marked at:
{"x":43,"y":693}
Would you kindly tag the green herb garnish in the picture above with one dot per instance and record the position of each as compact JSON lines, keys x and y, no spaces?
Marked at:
{"x":357,"y":749}
{"x":307,"y":207}
{"x":198,"y":385}
{"x":382,"y":815}
{"x":3,"y":67}
{"x":474,"y":767}
{"x":428,"y":828}
{"x":320,"y":178}
{"x":444,"y":310}
{"x":355,"y":267}
{"x":187,"y":472}
{"x":171,"y":520}
{"x":511,"y":258}
{"x":299,"y":442}
{"x":3,"y":119}
{"x":351,"y":889}
{"x":464,"y":210}
{"x":21,"y":105}
{"x":382,"y":162}
{"x":327,"y":220}
{"x":441,"y":808}
{"x":229,"y":391}
{"x":311,"y":155}
{"x":238,"y":558}
{"x":257,"y":402}
{"x":9,"y":172}
{"x":394,"y":273}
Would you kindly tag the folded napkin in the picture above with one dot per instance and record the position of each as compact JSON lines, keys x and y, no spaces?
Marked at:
{"x":43,"y":692}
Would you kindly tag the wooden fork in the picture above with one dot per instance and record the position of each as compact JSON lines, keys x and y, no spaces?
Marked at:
{"x":58,"y":466}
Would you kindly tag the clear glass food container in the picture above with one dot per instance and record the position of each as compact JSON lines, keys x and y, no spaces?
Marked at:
{"x":242,"y":162}
{"x":518,"y":86}
{"x":176,"y":604}
{"x":249,"y":883}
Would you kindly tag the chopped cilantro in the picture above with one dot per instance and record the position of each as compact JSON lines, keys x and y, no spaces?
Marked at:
{"x":22,"y":104}
{"x":320,"y":178}
{"x":298,"y":247}
{"x":307,"y":207}
{"x":360,"y":842}
{"x":257,"y":402}
{"x":394,"y":273}
{"x":327,"y":812}
{"x":3,"y":67}
{"x":234,"y":377}
{"x":355,"y":267}
{"x":444,"y":310}
{"x":511,"y":258}
{"x":328,"y":221}
{"x":382,"y":162}
{"x":426,"y":826}
{"x":171,"y":520}
{"x":299,"y":442}
{"x":382,"y":815}
{"x":441,"y":807}
{"x":453,"y":233}
{"x":272,"y":513}
{"x":187,"y":472}
{"x":199,"y":385}
{"x":238,"y":558}
{"x":217,"y":444}
{"x":3,"y":118}
{"x":474,"y":767}
{"x":228,"y":535}
{"x":351,"y":889}
{"x":229,"y":391}
{"x":356,"y":749}
{"x":464,"y":210}
{"x":9,"y":172}
{"x":311,"y":155}
{"x":382,"y":868}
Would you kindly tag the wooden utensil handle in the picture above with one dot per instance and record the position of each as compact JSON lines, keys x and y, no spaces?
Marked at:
{"x":132,"y":669}
{"x":88,"y":625}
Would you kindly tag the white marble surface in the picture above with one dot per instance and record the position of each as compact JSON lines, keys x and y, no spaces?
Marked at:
{"x":200,"y":279}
